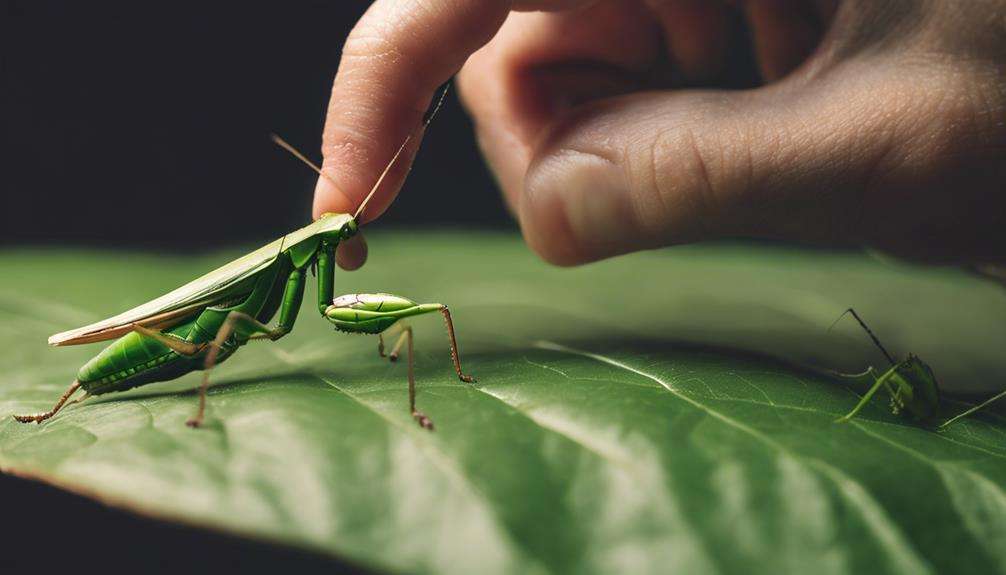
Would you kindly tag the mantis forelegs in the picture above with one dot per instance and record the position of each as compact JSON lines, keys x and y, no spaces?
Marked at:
{"x":881,"y":381}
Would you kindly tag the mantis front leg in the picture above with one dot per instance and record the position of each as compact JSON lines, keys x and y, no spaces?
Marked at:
{"x":881,"y":381}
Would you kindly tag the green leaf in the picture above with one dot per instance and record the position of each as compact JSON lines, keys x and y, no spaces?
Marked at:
{"x":645,"y":414}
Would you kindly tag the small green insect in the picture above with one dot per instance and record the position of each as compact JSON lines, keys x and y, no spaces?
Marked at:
{"x":910,"y":383}
{"x":202,"y":323}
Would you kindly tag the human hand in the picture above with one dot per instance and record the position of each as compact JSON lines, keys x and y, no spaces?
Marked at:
{"x":882,"y":124}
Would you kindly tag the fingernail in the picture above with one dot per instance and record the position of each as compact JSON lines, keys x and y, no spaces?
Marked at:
{"x":588,"y":192}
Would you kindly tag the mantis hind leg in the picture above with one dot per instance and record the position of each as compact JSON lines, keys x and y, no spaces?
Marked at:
{"x":406,"y":339}
{"x":234,"y":320}
{"x":380,"y":341}
{"x":40,"y":417}
{"x":968,"y":412}
{"x":454,"y":346}
{"x":452,"y":339}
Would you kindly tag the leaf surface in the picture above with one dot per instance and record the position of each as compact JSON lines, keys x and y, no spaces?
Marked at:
{"x":664,"y":411}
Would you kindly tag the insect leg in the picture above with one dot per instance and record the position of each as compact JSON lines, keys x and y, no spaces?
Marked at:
{"x":292,"y":297}
{"x":84,"y":397}
{"x":40,"y":417}
{"x":881,"y":381}
{"x":234,"y":320}
{"x":175,"y":344}
{"x":406,"y":332}
{"x":380,"y":340}
{"x":420,"y":417}
{"x":870,"y":376}
{"x":870,"y":372}
{"x":454,"y":346}
{"x":969,"y":411}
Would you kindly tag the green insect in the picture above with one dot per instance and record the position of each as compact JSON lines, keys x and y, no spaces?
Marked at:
{"x":202,"y":323}
{"x":910,"y":383}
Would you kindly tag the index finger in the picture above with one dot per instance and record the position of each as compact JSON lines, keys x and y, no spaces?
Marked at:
{"x":392,"y":63}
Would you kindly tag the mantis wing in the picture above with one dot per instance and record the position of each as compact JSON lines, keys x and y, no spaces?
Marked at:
{"x":219,"y":285}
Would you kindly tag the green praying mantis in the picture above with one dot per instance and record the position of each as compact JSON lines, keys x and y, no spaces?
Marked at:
{"x":910,"y":384}
{"x":205,"y":321}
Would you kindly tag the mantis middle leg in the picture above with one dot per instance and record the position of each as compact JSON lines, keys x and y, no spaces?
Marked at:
{"x":251,"y":328}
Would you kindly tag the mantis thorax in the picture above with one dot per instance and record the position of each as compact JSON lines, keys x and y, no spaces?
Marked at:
{"x":915,"y":389}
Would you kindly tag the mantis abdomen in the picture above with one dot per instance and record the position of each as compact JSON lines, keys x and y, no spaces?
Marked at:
{"x":135,"y":360}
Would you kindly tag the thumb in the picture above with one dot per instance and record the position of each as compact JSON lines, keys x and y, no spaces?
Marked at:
{"x":797,"y":160}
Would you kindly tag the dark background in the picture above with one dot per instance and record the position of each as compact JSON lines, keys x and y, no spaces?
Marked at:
{"x":145,"y":125}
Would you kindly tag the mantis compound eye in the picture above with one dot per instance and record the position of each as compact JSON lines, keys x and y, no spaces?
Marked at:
{"x":348,"y":230}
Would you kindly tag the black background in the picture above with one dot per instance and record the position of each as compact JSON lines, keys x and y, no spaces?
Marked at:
{"x":145,"y":125}
{"x":139,"y":124}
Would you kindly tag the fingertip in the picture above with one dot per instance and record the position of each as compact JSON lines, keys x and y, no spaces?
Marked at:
{"x":576,"y":208}
{"x":546,"y":231}
{"x":330,"y":199}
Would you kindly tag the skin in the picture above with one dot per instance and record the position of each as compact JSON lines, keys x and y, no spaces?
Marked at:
{"x":880,"y":124}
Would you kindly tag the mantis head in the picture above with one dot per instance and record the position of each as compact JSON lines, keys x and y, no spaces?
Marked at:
{"x":348,"y":229}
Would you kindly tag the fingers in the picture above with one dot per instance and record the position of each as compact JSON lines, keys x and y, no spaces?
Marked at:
{"x":540,"y":65}
{"x":695,"y":32}
{"x":393,"y":61}
{"x":850,"y":157}
{"x":784,"y":33}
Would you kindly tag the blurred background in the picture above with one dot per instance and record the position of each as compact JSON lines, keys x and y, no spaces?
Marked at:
{"x":146,"y":125}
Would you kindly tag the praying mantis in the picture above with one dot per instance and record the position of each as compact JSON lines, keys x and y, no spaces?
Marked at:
{"x":910,"y":383}
{"x":202,"y":323}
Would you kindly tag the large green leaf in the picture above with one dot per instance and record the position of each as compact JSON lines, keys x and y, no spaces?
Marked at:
{"x":644,"y":414}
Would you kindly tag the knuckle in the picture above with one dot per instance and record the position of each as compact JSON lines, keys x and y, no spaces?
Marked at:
{"x":674,"y":177}
{"x":949,"y":111}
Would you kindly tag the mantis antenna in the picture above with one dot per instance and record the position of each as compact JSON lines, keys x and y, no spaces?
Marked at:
{"x":296,"y":153}
{"x":868,"y":331}
{"x":427,"y":118}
